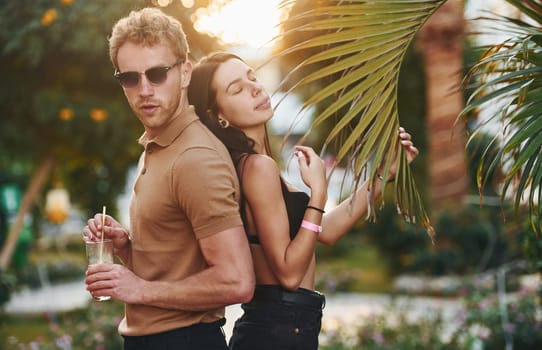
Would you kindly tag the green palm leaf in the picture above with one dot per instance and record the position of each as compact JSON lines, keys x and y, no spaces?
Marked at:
{"x":509,"y":76}
{"x":359,"y":46}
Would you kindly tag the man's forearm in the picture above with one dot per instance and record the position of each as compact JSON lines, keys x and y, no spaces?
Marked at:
{"x":209,"y":289}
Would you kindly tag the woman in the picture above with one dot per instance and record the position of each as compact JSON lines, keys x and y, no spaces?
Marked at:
{"x":282,"y":224}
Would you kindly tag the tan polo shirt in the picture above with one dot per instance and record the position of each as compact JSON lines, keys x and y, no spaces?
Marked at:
{"x":186,"y":189}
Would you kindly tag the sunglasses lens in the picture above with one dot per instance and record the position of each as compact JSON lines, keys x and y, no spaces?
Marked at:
{"x":157,"y":75}
{"x":128,"y":79}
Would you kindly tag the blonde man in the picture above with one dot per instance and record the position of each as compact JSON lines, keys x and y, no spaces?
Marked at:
{"x":185,"y":256}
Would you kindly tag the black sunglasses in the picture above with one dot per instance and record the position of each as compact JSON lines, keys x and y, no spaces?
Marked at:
{"x":156,"y":75}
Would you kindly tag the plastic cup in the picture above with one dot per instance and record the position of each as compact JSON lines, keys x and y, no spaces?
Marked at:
{"x":99,"y":252}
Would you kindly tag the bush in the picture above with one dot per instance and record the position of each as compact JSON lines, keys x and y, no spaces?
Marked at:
{"x":469,"y":239}
{"x":485,"y":324}
{"x":392,"y":330}
{"x":492,"y":320}
{"x":92,"y":328}
{"x":7,"y":286}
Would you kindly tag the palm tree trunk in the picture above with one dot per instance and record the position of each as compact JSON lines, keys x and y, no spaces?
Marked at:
{"x":441,"y":41}
{"x":34,"y":189}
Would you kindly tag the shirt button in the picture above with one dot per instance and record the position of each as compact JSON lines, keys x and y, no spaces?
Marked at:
{"x":143,"y":171}
{"x":296,"y":330}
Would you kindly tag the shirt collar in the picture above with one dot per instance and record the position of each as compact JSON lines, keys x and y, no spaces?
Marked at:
{"x":175,"y":128}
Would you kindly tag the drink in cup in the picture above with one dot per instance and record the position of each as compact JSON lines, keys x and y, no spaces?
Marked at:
{"x":100,"y":252}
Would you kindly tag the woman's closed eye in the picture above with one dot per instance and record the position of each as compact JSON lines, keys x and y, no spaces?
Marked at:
{"x":236,"y":90}
{"x":238,"y":87}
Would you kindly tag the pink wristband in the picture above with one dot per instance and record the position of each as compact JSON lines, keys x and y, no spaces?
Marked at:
{"x":310,"y":226}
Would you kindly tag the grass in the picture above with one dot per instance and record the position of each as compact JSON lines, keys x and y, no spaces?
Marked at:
{"x":26,"y":328}
{"x":64,"y":258}
{"x":93,"y":327}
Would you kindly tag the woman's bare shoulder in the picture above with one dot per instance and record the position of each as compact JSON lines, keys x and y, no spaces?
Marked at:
{"x":260,"y":171}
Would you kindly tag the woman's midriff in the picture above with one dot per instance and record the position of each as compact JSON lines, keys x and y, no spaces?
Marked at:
{"x":265,"y":275}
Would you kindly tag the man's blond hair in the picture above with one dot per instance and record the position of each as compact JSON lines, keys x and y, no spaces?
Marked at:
{"x":148,"y":27}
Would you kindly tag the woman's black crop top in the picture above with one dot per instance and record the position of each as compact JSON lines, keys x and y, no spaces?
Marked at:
{"x":296,"y":204}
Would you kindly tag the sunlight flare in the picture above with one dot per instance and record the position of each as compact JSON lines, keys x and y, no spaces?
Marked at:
{"x":240,"y":22}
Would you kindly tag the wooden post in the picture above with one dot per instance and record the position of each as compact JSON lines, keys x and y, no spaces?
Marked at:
{"x":34,"y":189}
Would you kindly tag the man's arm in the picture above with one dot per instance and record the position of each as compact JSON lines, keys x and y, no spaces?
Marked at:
{"x":228,"y":280}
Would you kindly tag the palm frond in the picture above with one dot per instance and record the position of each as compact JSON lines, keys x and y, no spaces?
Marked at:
{"x":358,"y":47}
{"x":509,"y":77}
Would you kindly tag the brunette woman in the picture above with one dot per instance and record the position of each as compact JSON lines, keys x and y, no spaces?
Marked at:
{"x":283,"y":224}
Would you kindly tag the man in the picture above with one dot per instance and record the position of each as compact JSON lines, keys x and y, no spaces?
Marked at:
{"x":186,"y":255}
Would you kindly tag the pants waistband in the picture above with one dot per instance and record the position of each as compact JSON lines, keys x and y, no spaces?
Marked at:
{"x":301,"y":296}
{"x":183,"y":330}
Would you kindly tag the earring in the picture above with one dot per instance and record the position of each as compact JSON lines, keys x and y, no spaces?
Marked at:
{"x":223,"y":123}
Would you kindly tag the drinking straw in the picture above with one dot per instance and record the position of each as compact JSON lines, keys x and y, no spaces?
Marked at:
{"x":100,"y":260}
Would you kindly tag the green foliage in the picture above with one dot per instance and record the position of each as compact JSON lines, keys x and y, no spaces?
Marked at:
{"x":92,"y":328}
{"x":479,"y":326}
{"x":469,"y":239}
{"x":355,"y":69}
{"x":58,"y":271}
{"x":488,"y":325}
{"x":58,"y":259}
{"x":351,"y":265}
{"x":532,"y":248}
{"x":506,"y":83}
{"x":26,"y":328}
{"x":397,"y":241}
{"x":58,"y":265}
{"x":59,"y":98}
{"x":7,"y":285}
{"x":508,"y":79}
{"x":482,"y":146}
{"x":391,"y":330}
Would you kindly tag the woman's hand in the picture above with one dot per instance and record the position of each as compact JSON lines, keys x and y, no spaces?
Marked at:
{"x":313,"y":172}
{"x":408,"y":147}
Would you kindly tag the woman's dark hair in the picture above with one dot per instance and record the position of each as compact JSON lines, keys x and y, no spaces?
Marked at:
{"x":203,"y":97}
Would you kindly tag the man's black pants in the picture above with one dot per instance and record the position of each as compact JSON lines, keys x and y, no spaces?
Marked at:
{"x":208,"y":336}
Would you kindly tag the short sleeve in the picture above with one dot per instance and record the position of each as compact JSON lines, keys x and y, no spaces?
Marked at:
{"x":207,"y":189}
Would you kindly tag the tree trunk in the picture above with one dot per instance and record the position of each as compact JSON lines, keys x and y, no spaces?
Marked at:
{"x":29,"y":198}
{"x":441,"y":40}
